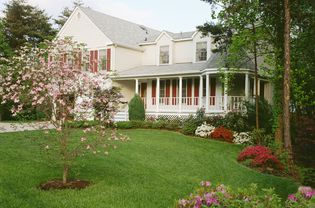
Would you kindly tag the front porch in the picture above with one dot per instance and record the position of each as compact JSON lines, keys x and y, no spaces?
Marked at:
{"x":184,"y":95}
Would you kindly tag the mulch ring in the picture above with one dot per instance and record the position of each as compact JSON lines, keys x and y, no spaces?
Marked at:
{"x":58,"y":185}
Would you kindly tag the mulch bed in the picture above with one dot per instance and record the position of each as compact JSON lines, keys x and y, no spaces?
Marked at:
{"x":57,"y":184}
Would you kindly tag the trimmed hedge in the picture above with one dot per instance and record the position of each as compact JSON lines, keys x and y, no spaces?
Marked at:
{"x":136,"y":109}
{"x":159,"y":124}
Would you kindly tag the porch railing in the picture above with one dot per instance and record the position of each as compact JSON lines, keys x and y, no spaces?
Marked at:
{"x":216,"y":103}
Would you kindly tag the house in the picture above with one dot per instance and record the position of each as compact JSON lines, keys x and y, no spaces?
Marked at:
{"x":174,"y":73}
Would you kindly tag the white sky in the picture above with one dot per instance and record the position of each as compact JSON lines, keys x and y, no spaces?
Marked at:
{"x":172,"y":15}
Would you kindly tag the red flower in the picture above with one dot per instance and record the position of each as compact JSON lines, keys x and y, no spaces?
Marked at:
{"x":222,"y":133}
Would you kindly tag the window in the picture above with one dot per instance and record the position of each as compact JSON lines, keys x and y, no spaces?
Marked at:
{"x":201,"y":51}
{"x":164,"y":54}
{"x":103,"y":59}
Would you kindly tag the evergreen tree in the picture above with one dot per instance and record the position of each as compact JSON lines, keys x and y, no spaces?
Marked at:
{"x":5,"y":50}
{"x":24,"y":23}
{"x":65,"y":14}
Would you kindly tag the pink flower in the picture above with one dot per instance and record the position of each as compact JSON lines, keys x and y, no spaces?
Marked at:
{"x":292,"y":197}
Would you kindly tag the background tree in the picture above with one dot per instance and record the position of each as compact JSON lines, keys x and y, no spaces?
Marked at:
{"x":240,"y":35}
{"x":43,"y":78}
{"x":5,"y":50}
{"x":136,"y":109}
{"x":24,"y":23}
{"x":66,"y":12}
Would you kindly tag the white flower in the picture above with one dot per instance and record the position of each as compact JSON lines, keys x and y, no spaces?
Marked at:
{"x":242,"y":138}
{"x":204,"y":130}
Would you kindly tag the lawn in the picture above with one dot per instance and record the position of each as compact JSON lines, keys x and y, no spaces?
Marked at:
{"x":152,"y":170}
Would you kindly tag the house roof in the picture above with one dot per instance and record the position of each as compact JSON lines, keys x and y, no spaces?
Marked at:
{"x":127,"y":33}
{"x":215,"y":62}
{"x":121,"y":31}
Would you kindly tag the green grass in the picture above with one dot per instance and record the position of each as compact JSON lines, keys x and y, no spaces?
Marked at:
{"x":152,"y":170}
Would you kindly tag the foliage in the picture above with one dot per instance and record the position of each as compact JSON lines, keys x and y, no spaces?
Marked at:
{"x":192,"y":122}
{"x":5,"y":50}
{"x":25,"y":24}
{"x":265,"y":112}
{"x":236,"y":122}
{"x":158,"y":124}
{"x":209,"y":195}
{"x":204,"y":130}
{"x":260,"y":157}
{"x":215,"y":121}
{"x":136,"y":109}
{"x":222,"y":133}
{"x":244,"y":138}
{"x":42,"y":78}
{"x":303,"y":198}
{"x":260,"y":137}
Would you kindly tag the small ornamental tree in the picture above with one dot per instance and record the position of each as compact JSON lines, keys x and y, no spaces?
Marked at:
{"x":136,"y":109}
{"x":51,"y":79}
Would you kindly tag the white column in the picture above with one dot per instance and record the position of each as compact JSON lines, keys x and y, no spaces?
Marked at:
{"x":246,"y":86}
{"x":180,"y":93}
{"x":157,"y":94}
{"x":207,"y":93}
{"x":200,"y":91}
{"x":225,"y":93}
{"x":137,"y":86}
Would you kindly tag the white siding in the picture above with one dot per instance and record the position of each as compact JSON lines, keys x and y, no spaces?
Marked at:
{"x":81,"y":28}
{"x":164,"y":40}
{"x":183,"y":52}
{"x":149,"y":56}
{"x":198,"y":38}
{"x":126,"y":58}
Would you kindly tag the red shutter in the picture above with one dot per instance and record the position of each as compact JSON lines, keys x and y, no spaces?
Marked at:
{"x":95,"y":60}
{"x":108,"y":59}
{"x":153,"y":92}
{"x":189,"y":91}
{"x":174,"y":86}
{"x":167,"y":91}
{"x":196,"y":91}
{"x":91,"y":60}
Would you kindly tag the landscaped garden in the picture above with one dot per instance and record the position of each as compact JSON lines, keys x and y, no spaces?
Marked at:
{"x":155,"y":169}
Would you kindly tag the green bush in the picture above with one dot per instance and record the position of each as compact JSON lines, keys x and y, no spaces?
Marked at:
{"x":265,"y":114}
{"x":190,"y":125}
{"x":236,"y":122}
{"x":136,"y":109}
{"x":81,"y":124}
{"x":260,"y":137}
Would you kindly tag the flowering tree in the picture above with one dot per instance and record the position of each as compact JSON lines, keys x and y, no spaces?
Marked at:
{"x":52,"y":79}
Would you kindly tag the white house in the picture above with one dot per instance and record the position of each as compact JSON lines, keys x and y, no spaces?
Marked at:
{"x":174,"y":73}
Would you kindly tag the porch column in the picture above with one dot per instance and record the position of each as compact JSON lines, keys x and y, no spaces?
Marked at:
{"x":207,"y":92}
{"x":225,"y":93}
{"x":246,"y":86}
{"x":200,"y":91}
{"x":137,"y":87}
{"x":157,"y":94}
{"x":180,"y":93}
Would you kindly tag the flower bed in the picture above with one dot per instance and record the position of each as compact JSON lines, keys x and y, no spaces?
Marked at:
{"x":222,"y":133}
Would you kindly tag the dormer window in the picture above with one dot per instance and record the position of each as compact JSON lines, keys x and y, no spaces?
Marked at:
{"x":164,"y":55}
{"x":201,"y":51}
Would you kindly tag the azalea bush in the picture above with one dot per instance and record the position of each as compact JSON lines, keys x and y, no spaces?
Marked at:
{"x":223,"y":134}
{"x":260,"y":157}
{"x":244,"y":138}
{"x":52,"y":80}
{"x":204,"y":130}
{"x":305,"y":197}
{"x":209,"y":195}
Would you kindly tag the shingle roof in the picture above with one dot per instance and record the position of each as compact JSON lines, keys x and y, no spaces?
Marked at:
{"x":215,"y":62}
{"x":121,"y":31}
{"x":127,"y":33}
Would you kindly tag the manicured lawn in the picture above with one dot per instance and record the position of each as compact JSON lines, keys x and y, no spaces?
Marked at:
{"x":152,"y":170}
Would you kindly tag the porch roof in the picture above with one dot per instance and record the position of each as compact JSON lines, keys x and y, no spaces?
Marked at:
{"x":214,"y":62}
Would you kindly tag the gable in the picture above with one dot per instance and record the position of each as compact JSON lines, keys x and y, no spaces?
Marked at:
{"x":83,"y":30}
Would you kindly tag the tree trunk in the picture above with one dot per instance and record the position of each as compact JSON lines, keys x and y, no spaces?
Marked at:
{"x":65,"y":173}
{"x":256,"y":79}
{"x":286,"y":81}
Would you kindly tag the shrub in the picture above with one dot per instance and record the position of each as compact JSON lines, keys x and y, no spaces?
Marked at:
{"x":260,"y":137}
{"x":204,"y":130}
{"x":136,"y":109}
{"x":221,"y":196}
{"x":265,"y":114}
{"x":222,"y":133}
{"x":261,"y":157}
{"x":215,"y":121}
{"x":81,"y":124}
{"x":303,"y":198}
{"x":124,"y":125}
{"x":236,"y":122}
{"x":190,"y":125}
{"x":243,"y":138}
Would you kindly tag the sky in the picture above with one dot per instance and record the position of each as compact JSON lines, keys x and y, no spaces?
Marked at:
{"x":171,"y":15}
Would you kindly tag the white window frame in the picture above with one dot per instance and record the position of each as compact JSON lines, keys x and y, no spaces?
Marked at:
{"x":197,"y":57}
{"x":160,"y":59}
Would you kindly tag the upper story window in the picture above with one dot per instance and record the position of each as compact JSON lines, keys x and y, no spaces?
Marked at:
{"x":164,"y":55}
{"x":201,"y":51}
{"x":103,"y":59}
